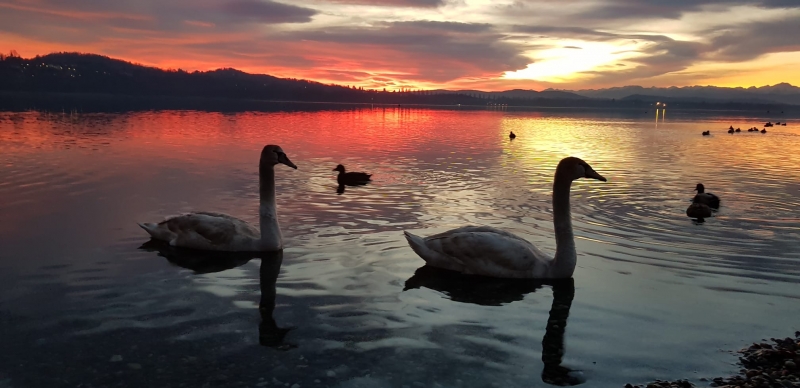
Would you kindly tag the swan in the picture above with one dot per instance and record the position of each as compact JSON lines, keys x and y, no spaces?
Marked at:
{"x":351,"y":178}
{"x":704,"y":198}
{"x":487,"y":251}
{"x":221,"y":232}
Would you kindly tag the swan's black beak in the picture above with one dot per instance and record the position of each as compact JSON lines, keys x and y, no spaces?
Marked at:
{"x":282,"y":158}
{"x":594,"y":175}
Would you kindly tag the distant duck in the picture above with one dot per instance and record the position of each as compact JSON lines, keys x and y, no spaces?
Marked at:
{"x":698,"y":210}
{"x":351,"y":178}
{"x":730,"y":130}
{"x":763,"y":131}
{"x":738,"y":129}
{"x":784,"y":124}
{"x":768,"y":124}
{"x":704,"y":198}
{"x":707,"y":133}
{"x":512,"y":136}
{"x":778,"y":123}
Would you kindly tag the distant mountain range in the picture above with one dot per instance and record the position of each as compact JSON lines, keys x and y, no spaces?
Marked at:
{"x":26,"y":83}
{"x":783,"y":93}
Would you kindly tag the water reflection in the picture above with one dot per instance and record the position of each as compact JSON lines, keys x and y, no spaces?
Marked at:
{"x":199,"y":261}
{"x":204,"y":262}
{"x":486,"y":291}
{"x":269,"y":334}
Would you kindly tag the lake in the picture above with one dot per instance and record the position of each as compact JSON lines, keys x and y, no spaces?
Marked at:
{"x":87,"y":301}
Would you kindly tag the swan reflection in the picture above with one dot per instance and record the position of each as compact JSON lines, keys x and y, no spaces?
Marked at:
{"x":199,"y":261}
{"x":204,"y":262}
{"x":487,"y":291}
{"x":269,"y":334}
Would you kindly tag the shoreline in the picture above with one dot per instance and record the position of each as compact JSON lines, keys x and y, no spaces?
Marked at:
{"x":764,"y":365}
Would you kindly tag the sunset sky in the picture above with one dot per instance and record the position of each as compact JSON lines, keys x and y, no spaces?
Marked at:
{"x":464,"y":44}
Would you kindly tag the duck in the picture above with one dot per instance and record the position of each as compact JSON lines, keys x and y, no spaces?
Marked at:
{"x":698,"y":210}
{"x":764,"y":130}
{"x":351,"y":178}
{"x":221,"y":232}
{"x":707,"y":199}
{"x":492,"y":252}
{"x":768,"y":124}
{"x":738,"y":129}
{"x":749,"y":129}
{"x":730,"y":130}
{"x":707,"y":133}
{"x":512,"y":136}
{"x":783,"y":125}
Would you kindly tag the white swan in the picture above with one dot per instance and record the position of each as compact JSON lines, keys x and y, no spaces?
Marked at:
{"x":221,"y":232}
{"x":487,"y":251}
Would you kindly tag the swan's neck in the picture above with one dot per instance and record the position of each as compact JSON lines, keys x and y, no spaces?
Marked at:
{"x":566,"y":258}
{"x":271,"y":238}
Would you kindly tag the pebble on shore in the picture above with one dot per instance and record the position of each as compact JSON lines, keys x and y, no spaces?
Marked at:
{"x":766,"y":365}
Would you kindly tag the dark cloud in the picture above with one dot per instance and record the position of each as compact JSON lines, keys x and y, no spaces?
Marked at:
{"x":672,"y":9}
{"x":393,"y":3}
{"x":464,"y":48}
{"x":265,"y":11}
{"x":445,"y":26}
{"x":751,"y":40}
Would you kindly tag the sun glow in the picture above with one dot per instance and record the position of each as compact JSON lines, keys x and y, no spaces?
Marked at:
{"x":571,"y":61}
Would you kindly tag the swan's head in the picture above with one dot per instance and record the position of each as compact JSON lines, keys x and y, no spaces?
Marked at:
{"x":272,"y":155}
{"x":575,"y":168}
{"x":700,"y":188}
{"x":339,"y":168}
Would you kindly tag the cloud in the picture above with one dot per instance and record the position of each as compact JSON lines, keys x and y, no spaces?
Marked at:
{"x":435,"y":51}
{"x":436,"y":43}
{"x":393,"y":3}
{"x":266,"y":11}
{"x":751,"y":40}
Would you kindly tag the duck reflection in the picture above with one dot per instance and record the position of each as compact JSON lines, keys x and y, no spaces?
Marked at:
{"x":340,"y":190}
{"x":495,"y":292}
{"x":204,"y":262}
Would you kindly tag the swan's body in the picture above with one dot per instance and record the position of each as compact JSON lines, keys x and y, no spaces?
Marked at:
{"x":704,"y":198}
{"x":221,"y":232}
{"x":487,"y":251}
{"x":351,"y":178}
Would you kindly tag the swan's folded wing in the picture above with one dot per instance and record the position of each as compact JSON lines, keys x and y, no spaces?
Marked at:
{"x":488,"y":251}
{"x":216,"y":229}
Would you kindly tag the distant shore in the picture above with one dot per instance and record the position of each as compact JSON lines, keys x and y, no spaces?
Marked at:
{"x":106,"y":102}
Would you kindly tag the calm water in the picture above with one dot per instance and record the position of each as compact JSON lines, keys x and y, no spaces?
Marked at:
{"x":655,"y":295}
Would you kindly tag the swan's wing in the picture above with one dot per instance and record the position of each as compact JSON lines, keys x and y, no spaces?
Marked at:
{"x":488,"y":251}
{"x":215,"y":229}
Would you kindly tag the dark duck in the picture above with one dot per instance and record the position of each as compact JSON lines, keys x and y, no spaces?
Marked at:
{"x":351,"y":178}
{"x":512,"y":136}
{"x":704,"y":198}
